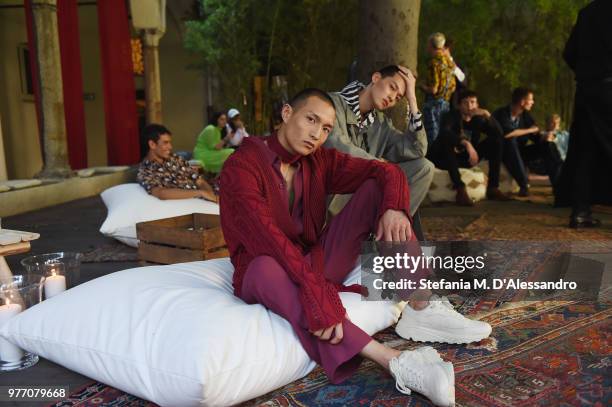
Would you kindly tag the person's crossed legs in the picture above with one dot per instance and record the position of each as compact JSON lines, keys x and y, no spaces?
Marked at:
{"x":267,"y":283}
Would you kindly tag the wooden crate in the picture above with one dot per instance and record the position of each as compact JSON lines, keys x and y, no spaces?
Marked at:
{"x":181,"y":239}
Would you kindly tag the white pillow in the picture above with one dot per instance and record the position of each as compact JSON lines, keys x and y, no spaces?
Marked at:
{"x":20,"y":183}
{"x":129,"y":204}
{"x":507,"y":184}
{"x":176,"y":335}
{"x":441,"y":188}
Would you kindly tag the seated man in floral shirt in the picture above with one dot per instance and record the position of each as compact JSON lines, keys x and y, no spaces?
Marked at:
{"x":165,"y":175}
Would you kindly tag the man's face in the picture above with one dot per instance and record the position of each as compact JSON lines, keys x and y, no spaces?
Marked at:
{"x":163,"y":147}
{"x":387,"y":91}
{"x":306,"y":128}
{"x":527,"y":102}
{"x":468,"y":104}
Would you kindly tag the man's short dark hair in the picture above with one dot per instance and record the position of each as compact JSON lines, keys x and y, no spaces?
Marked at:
{"x":152,"y":132}
{"x":519,"y":94}
{"x":302,"y":96}
{"x":467,"y":93}
{"x":389,"y":70}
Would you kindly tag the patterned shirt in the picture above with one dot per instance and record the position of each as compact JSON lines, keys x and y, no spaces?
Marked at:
{"x":173,"y":173}
{"x":350,"y":94}
{"x":441,"y":76}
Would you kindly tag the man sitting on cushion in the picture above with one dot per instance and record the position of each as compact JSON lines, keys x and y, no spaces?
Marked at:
{"x":165,"y":175}
{"x":272,"y":213}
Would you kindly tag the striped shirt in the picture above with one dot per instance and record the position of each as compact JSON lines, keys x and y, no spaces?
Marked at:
{"x":350,"y":94}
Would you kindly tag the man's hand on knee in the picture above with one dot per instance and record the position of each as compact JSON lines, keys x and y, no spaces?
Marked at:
{"x":394,"y":226}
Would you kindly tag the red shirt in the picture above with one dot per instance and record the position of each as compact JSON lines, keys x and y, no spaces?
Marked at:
{"x":256,"y":220}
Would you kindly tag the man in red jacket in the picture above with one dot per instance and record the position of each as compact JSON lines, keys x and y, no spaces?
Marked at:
{"x":273,"y":207}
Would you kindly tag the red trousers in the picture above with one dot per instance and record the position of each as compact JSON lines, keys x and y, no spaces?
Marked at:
{"x":267,"y":283}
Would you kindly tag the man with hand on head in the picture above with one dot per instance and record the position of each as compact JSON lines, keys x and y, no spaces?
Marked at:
{"x":362,"y":130}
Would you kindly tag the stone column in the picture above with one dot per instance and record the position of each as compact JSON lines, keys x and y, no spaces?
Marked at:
{"x":51,"y":94}
{"x":149,"y":17}
{"x":153,"y":109}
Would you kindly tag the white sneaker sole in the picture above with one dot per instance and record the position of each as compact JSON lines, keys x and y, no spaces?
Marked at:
{"x":450,"y":375}
{"x":424,"y":334}
{"x":448,"y":399}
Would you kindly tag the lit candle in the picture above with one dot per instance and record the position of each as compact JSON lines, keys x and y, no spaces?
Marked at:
{"x":54,"y":284}
{"x":8,"y":351}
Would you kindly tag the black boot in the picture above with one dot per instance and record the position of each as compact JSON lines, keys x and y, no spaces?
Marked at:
{"x":583,"y":219}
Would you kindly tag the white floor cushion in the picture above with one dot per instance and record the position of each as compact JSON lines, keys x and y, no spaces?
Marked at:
{"x":129,"y":204}
{"x":441,"y":188}
{"x":507,"y":184}
{"x":20,"y":183}
{"x":176,"y":335}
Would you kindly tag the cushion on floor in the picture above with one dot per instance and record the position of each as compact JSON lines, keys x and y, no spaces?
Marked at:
{"x":176,"y":335}
{"x":441,"y":188}
{"x":20,"y":183}
{"x":475,"y":179}
{"x":129,"y":204}
{"x":507,"y":184}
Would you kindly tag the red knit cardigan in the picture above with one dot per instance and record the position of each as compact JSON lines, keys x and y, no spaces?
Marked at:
{"x":256,"y":221}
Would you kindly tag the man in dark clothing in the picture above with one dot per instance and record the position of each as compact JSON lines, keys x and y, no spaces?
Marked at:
{"x":516,"y":122}
{"x":585,"y":179}
{"x":466,"y":136}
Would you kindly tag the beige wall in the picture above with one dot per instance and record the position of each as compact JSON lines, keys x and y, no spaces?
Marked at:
{"x":19,"y":126}
{"x":92,"y":85}
{"x":183,"y":91}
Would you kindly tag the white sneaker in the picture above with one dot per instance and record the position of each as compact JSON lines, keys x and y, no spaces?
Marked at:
{"x":427,"y":354}
{"x":439,"y":322}
{"x":435,"y":380}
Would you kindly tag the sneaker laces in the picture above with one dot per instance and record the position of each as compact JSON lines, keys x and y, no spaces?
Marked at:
{"x":441,"y":302}
{"x":407,"y":378}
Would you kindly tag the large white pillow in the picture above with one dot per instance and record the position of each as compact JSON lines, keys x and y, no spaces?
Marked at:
{"x":176,"y":335}
{"x":129,"y":204}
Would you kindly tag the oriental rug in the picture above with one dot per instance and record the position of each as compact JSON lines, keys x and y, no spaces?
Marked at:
{"x":546,"y":353}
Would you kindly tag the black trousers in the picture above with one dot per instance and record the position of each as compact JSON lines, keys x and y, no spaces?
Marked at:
{"x":543,"y":156}
{"x":486,"y":137}
{"x":514,"y":162}
{"x":590,"y":152}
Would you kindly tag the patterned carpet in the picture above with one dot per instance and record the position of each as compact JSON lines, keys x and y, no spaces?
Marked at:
{"x":546,"y":353}
{"x":501,"y":226}
{"x":101,"y":395}
{"x":115,"y":251}
{"x":541,"y":353}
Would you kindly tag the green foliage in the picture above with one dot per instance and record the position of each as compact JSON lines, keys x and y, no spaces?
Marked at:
{"x":312,"y":42}
{"x":502,"y":44}
{"x":224,"y":39}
